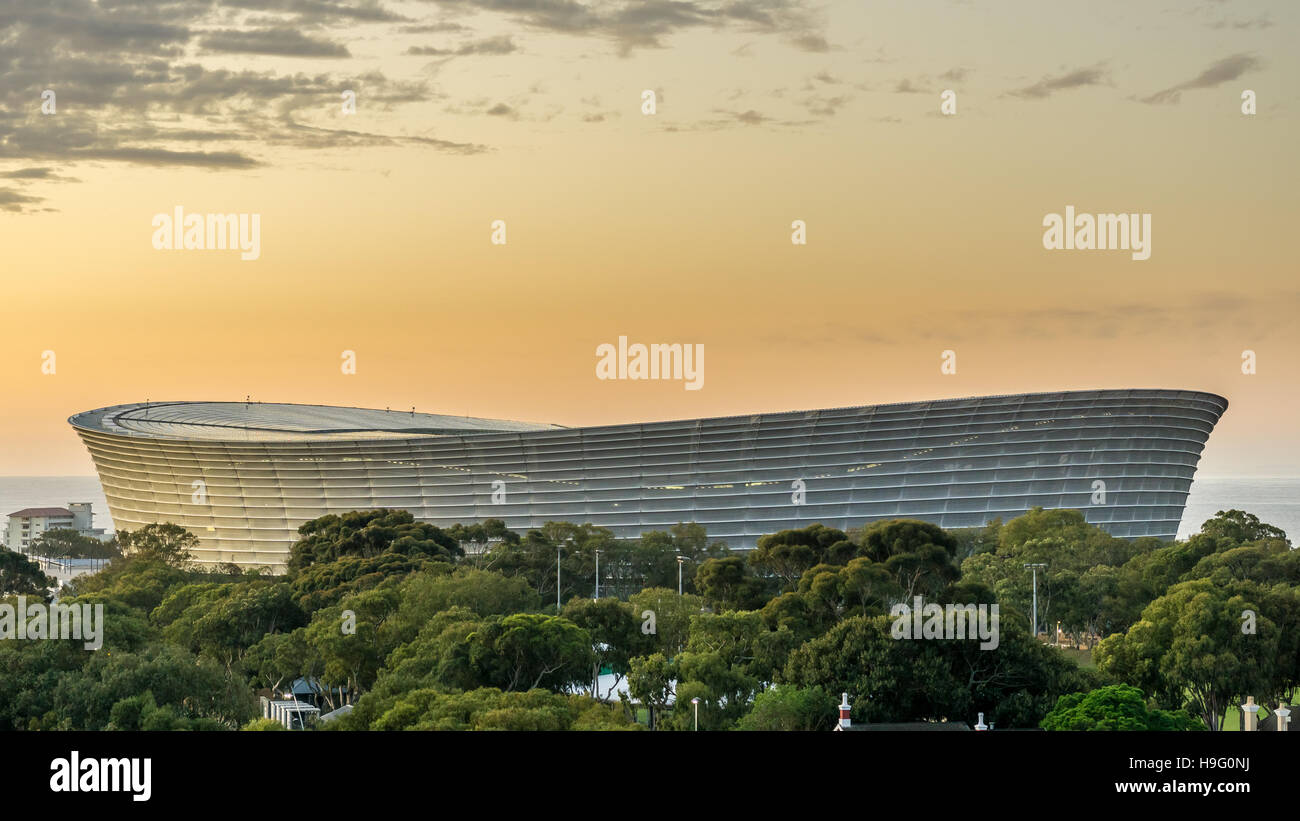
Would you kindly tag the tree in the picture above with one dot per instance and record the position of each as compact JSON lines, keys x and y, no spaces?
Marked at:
{"x":919,"y":555}
{"x":1240,"y":527}
{"x":670,"y":615}
{"x":615,"y":634}
{"x":716,"y":668}
{"x":929,"y":680}
{"x":1116,"y":707}
{"x":427,"y":593}
{"x":489,"y":708}
{"x":653,"y":558}
{"x":1189,"y":648}
{"x":167,"y":543}
{"x":787,"y":554}
{"x":523,"y":651}
{"x":727,"y":584}
{"x":861,"y":587}
{"x":650,"y":682}
{"x":263,"y":725}
{"x":368,"y":533}
{"x":182,"y":687}
{"x":21,"y":576}
{"x":533,"y":558}
{"x":352,"y":658}
{"x":325,"y":583}
{"x":789,"y":708}
{"x":242,"y":617}
{"x":65,"y":543}
{"x":483,"y":533}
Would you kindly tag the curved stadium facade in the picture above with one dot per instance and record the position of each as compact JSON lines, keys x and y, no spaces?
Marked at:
{"x":265,"y":469}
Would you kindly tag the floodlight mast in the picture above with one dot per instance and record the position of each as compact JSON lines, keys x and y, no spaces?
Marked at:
{"x":1035,"y":567}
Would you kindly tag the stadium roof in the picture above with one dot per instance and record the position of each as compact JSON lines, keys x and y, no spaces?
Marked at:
{"x":278,"y":422}
{"x":258,"y":421}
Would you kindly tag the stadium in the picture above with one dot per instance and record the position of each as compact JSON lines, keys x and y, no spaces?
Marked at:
{"x":243,"y":476}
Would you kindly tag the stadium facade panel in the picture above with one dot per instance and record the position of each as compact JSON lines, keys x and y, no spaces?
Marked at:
{"x":244,"y":476}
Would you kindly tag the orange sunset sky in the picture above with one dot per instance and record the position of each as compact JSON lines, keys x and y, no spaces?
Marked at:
{"x":924,"y":230}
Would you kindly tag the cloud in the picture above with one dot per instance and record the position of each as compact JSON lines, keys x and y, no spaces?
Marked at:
{"x":825,"y":106}
{"x":1223,"y":71}
{"x":167,"y":83}
{"x":1077,"y":78}
{"x":647,"y":23}
{"x":814,"y":43}
{"x":432,"y":28}
{"x":750,"y":117}
{"x":281,"y":42}
{"x":905,"y":86}
{"x":30,"y":174}
{"x":15,"y":201}
{"x":491,"y":46}
{"x":317,"y":137}
{"x":1261,"y":22}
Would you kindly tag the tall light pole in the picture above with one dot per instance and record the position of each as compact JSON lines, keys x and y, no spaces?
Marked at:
{"x":1035,"y":570}
{"x":557,"y":580}
{"x":680,"y":560}
{"x":696,"y":702}
{"x":597,"y":596}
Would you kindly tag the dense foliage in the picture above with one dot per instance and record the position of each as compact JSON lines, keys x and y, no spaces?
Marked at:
{"x":421,"y":627}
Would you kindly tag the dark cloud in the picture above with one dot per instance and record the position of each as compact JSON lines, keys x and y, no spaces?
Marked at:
{"x":432,"y":28}
{"x":281,"y":42}
{"x":906,"y":86}
{"x":489,"y":46}
{"x":814,"y":43}
{"x":750,"y":117}
{"x":1225,"y":70}
{"x":305,"y":12}
{"x":15,"y":201}
{"x":645,"y":23}
{"x":820,"y":106}
{"x":1261,"y":22}
{"x":136,"y":82}
{"x":30,"y":174}
{"x":1077,"y":78}
{"x":307,"y":136}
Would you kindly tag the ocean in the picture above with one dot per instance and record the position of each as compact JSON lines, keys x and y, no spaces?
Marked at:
{"x":1274,"y":500}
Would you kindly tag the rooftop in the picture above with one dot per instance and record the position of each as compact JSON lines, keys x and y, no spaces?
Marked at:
{"x":33,"y":512}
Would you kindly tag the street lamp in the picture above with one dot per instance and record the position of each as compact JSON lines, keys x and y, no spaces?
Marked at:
{"x":557,"y":579}
{"x":597,"y":596}
{"x":680,"y":560}
{"x":1035,"y":570}
{"x":696,"y":702}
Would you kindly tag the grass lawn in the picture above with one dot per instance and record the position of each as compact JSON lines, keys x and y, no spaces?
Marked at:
{"x":1083,"y":658}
